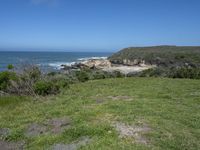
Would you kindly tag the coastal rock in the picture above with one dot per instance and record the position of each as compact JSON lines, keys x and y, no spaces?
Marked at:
{"x":97,"y":63}
{"x":89,"y":64}
{"x":134,"y":62}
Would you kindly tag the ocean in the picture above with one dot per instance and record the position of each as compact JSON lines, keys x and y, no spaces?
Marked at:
{"x":46,"y":60}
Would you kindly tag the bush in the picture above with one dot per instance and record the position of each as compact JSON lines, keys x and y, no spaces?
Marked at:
{"x":28,"y":75}
{"x":173,"y":72}
{"x":185,"y":72}
{"x":10,"y":67}
{"x":82,"y":76}
{"x":52,"y":73}
{"x":5,"y":79}
{"x":60,"y":80}
{"x":117,"y":74}
{"x":46,"y":87}
{"x":154,"y":72}
{"x":32,"y":72}
{"x":98,"y":75}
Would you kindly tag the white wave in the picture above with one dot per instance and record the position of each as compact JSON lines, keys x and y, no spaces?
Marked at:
{"x":58,"y":65}
{"x":89,"y":58}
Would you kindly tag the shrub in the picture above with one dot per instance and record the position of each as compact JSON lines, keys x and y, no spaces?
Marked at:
{"x":46,"y":87}
{"x":154,"y":72}
{"x":185,"y":72}
{"x":28,"y":75}
{"x":64,"y":83}
{"x":98,"y":75}
{"x":52,"y":73}
{"x":82,"y":76}
{"x":117,"y":74}
{"x":173,"y":72}
{"x":5,"y":79}
{"x":10,"y":67}
{"x":60,"y":80}
{"x":33,"y":72}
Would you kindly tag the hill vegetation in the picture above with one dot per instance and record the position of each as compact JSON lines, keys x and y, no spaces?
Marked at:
{"x":164,"y":56}
{"x":170,"y":61}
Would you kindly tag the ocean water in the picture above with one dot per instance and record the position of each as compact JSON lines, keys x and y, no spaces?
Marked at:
{"x":46,"y":60}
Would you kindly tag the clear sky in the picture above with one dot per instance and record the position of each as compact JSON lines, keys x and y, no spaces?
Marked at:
{"x":91,"y":25}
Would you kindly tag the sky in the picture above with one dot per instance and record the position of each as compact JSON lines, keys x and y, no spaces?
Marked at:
{"x":97,"y":25}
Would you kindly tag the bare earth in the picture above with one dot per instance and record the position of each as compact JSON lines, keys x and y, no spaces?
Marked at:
{"x":128,"y":69}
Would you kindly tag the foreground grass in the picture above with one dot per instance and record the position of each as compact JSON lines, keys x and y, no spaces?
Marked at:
{"x":171,"y":107}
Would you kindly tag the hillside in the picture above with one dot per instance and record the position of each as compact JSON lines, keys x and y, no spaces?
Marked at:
{"x":127,"y":113}
{"x":159,"y":55}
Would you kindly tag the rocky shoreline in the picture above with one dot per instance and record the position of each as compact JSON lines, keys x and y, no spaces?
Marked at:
{"x":106,"y":65}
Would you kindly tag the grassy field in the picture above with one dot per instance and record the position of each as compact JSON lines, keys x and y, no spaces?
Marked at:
{"x":169,"y":107}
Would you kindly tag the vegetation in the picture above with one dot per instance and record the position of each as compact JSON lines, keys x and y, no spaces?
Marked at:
{"x":5,"y":78}
{"x":170,"y":107}
{"x":103,"y":110}
{"x":10,"y":67}
{"x":45,"y":88}
{"x":172,"y":72}
{"x":164,"y":56}
{"x":31,"y":81}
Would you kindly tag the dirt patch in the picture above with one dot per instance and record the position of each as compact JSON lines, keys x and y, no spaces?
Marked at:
{"x":57,"y":125}
{"x":4,"y":132}
{"x":124,"y":98}
{"x":73,"y":146}
{"x":4,"y":145}
{"x":35,"y":129}
{"x":99,"y":101}
{"x":128,"y":69}
{"x":133,"y":131}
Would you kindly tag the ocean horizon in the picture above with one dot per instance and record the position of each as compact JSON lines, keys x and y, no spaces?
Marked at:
{"x":46,"y":60}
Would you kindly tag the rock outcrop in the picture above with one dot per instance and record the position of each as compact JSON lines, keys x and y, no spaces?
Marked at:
{"x":97,"y":63}
{"x":90,"y":64}
{"x":134,"y":62}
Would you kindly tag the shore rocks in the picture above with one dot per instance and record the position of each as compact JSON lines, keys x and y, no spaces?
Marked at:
{"x":128,"y":62}
{"x":89,"y":64}
{"x":97,"y":63}
{"x":105,"y":65}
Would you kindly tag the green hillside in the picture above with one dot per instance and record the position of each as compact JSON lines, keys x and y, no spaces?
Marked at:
{"x":110,"y":114}
{"x":160,"y":55}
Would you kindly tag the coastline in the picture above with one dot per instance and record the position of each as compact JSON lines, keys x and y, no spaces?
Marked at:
{"x":104,"y":64}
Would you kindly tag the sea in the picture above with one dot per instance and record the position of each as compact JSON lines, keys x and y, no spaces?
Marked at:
{"x":47,"y":61}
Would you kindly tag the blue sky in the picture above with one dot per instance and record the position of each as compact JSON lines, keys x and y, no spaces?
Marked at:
{"x":101,"y":25}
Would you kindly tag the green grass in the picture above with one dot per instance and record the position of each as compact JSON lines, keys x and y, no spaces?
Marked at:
{"x":170,"y":107}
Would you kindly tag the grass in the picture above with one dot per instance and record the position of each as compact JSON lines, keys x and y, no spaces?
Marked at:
{"x":171,"y":107}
